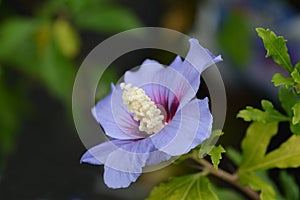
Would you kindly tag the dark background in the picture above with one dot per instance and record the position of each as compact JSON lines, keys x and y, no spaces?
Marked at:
{"x":42,"y":44}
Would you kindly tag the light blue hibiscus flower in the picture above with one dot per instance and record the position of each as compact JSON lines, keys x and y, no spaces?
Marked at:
{"x":152,"y":116}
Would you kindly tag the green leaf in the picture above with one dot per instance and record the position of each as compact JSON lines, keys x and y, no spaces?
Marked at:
{"x":268,"y":115}
{"x":216,"y":155}
{"x":13,"y":34}
{"x":66,"y":38}
{"x":295,"y":129}
{"x":297,"y":66}
{"x":209,"y":143}
{"x":287,"y":99}
{"x":286,"y":156}
{"x":235,"y":38}
{"x":227,"y":193}
{"x":296,"y":76}
{"x":57,"y":72}
{"x":289,"y":186}
{"x":265,"y":177}
{"x":190,"y":187}
{"x":257,"y":184}
{"x":256,"y":141}
{"x":111,"y":18}
{"x":234,"y":155}
{"x":296,"y":112}
{"x":276,"y":47}
{"x":278,"y":79}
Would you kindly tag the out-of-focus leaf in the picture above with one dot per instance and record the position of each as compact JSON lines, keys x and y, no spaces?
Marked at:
{"x":209,"y":143}
{"x":190,"y":187}
{"x":227,"y":193}
{"x":289,"y":186}
{"x":268,"y":115}
{"x":256,"y":141}
{"x":265,"y":177}
{"x":276,"y":47}
{"x":107,"y":19}
{"x":234,"y":38}
{"x":11,"y":112}
{"x":216,"y":155}
{"x":278,"y":79}
{"x":296,"y":112}
{"x":57,"y":72}
{"x":257,"y":184}
{"x":234,"y":155}
{"x":13,"y":34}
{"x":66,"y":38}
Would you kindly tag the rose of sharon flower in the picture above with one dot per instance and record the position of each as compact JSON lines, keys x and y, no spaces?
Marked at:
{"x":152,"y":116}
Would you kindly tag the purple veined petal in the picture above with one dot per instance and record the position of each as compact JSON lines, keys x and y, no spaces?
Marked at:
{"x":118,"y":179}
{"x":113,"y":116}
{"x":178,"y":137}
{"x":153,"y":73}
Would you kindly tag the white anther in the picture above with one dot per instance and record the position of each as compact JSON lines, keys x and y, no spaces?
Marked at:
{"x":143,"y":108}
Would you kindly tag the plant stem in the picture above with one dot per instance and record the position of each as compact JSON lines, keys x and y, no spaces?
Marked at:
{"x":227,"y":177}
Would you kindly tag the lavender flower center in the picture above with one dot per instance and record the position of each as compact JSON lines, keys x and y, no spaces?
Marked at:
{"x":143,"y":108}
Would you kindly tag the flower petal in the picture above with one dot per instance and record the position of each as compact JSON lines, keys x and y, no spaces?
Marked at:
{"x":113,"y":116}
{"x":184,"y":131}
{"x":131,"y":156}
{"x":205,"y":123}
{"x":197,"y":60}
{"x":151,"y":73}
{"x":156,"y":157}
{"x":98,"y":154}
{"x":118,"y":179}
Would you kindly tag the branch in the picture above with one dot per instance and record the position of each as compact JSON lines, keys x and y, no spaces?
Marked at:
{"x":227,"y":177}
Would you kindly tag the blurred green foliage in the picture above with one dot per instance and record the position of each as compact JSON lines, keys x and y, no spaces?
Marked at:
{"x":43,"y":48}
{"x":235,"y":38}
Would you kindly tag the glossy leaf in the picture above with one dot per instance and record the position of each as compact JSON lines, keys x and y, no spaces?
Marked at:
{"x":216,"y":155}
{"x":190,"y":187}
{"x":278,"y":80}
{"x":286,"y":156}
{"x":296,"y":76}
{"x":296,"y":112}
{"x":268,"y":115}
{"x":209,"y":143}
{"x":287,"y":99}
{"x":295,"y":129}
{"x":276,"y":47}
{"x":256,"y":141}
